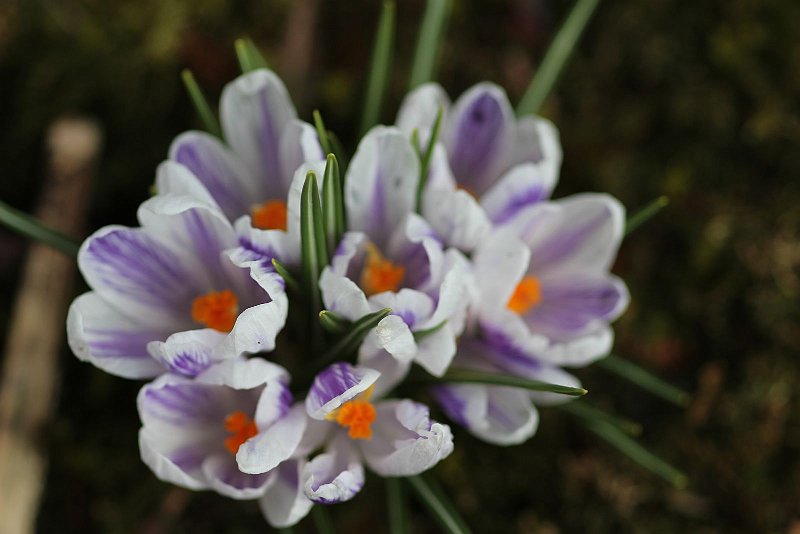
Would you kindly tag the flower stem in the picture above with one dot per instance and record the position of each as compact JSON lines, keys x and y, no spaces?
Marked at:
{"x":29,"y":227}
{"x":398,"y":506}
{"x":437,"y":503}
{"x":430,"y":37}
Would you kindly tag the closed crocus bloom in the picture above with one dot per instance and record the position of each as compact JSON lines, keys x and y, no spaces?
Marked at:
{"x":195,"y":429}
{"x":393,"y":259}
{"x":486,"y":166}
{"x":166,"y":297}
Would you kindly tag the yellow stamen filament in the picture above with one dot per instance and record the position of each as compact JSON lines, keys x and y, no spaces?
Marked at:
{"x":358,"y":415}
{"x":241,"y":427}
{"x":217,"y":310}
{"x":527,"y":295}
{"x":380,"y":274}
{"x":271,"y":215}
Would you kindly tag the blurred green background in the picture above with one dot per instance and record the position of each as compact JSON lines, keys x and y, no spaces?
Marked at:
{"x":695,"y":100}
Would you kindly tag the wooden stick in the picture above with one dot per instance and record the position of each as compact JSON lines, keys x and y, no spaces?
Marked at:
{"x":30,"y":376}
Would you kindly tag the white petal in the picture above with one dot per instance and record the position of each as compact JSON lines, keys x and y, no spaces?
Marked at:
{"x":188,"y":353}
{"x":226,"y":479}
{"x":285,"y":503}
{"x":277,"y":443}
{"x":299,"y":145}
{"x":435,"y":351}
{"x":239,"y":373}
{"x":172,"y":178}
{"x":420,"y":107}
{"x":256,"y":328}
{"x":164,"y":468}
{"x":335,"y":385}
{"x":342,"y":296}
{"x":456,"y":216}
{"x":335,"y":476}
{"x":381,"y":181}
{"x":405,"y":441}
{"x":522,"y":186}
{"x":499,"y":265}
{"x":394,"y":335}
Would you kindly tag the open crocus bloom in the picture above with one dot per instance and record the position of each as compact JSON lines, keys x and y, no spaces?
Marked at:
{"x":193,"y":430}
{"x":394,"y":259}
{"x":394,"y":438}
{"x":165,"y":296}
{"x":267,"y":144}
{"x":487,"y":165}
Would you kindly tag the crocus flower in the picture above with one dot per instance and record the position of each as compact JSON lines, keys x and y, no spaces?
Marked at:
{"x":166,"y":297}
{"x":266,"y":143}
{"x":393,"y":258}
{"x":487,"y":165}
{"x":546,"y":301}
{"x":393,"y":437}
{"x":194,"y":429}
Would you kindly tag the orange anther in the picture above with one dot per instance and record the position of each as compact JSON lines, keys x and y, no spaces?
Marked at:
{"x":271,"y":215}
{"x":241,"y":427}
{"x":527,"y":295}
{"x":217,"y":310}
{"x":380,"y":274}
{"x":358,"y":415}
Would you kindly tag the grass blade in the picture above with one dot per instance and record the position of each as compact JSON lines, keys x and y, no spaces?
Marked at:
{"x":419,"y":335}
{"x":437,"y":503}
{"x":556,"y":57}
{"x":425,"y":157}
{"x":645,"y":214}
{"x":322,"y":133}
{"x":585,"y":411}
{"x":430,"y":37}
{"x":398,"y":506}
{"x":26,"y":225}
{"x":333,"y":323}
{"x":248,"y":55}
{"x":380,"y":68}
{"x":644,"y":379}
{"x":322,"y":519}
{"x":633,"y":450}
{"x":332,"y":204}
{"x":465,"y":376}
{"x":291,"y":281}
{"x":201,"y":106}
{"x":348,"y":343}
{"x":314,"y":253}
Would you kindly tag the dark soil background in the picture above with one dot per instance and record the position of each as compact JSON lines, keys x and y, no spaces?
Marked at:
{"x":695,"y":100}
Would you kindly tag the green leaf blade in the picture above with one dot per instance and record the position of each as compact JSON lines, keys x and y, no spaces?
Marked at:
{"x":556,"y":57}
{"x":332,"y":205}
{"x":465,"y":376}
{"x":437,"y":503}
{"x":354,"y":336}
{"x":379,"y":68}
{"x":397,"y":505}
{"x":645,"y":380}
{"x":290,"y":280}
{"x":333,"y":323}
{"x":249,"y":57}
{"x":201,"y":105}
{"x":645,"y":214}
{"x":29,"y":227}
{"x":431,"y":32}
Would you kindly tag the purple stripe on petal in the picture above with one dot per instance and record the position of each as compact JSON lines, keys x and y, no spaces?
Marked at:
{"x":210,"y":170}
{"x":565,"y":243}
{"x":180,"y":404}
{"x":518,"y":201}
{"x":134,"y":265}
{"x":270,"y":156}
{"x":333,"y":382}
{"x":454,"y":406}
{"x":476,"y":139}
{"x":118,"y":343}
{"x":205,"y":243}
{"x":500,"y":349}
{"x":570,"y":306}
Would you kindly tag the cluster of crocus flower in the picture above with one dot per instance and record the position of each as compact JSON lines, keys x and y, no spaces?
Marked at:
{"x":439,"y":247}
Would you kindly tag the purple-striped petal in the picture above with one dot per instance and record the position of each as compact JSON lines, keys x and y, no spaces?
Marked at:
{"x":336,"y":385}
{"x":226,"y":479}
{"x":522,"y":186}
{"x":285,"y":503}
{"x":188,"y":353}
{"x":274,"y":444}
{"x":115,"y":343}
{"x":420,"y":107}
{"x":334,"y":476}
{"x":225,"y":177}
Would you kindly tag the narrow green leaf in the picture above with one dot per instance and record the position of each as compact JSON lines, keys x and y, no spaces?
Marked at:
{"x":479,"y":377}
{"x":201,"y":106}
{"x":556,"y":57}
{"x":338,"y":149}
{"x":322,"y":519}
{"x":291,"y":281}
{"x":348,"y":343}
{"x":644,"y":379}
{"x":633,"y":450}
{"x":419,"y":335}
{"x":398,"y":506}
{"x":588,"y":412}
{"x":29,"y":227}
{"x":645,"y":214}
{"x":425,"y":159}
{"x":248,"y":55}
{"x":322,"y":133}
{"x":438,"y":504}
{"x":332,"y":204}
{"x":333,"y":323}
{"x":430,"y":37}
{"x":380,"y":68}
{"x":313,"y":250}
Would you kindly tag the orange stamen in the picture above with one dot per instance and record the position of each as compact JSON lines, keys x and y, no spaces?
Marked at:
{"x":217,"y":310}
{"x":358,"y":415}
{"x":242,"y":428}
{"x":380,"y":274}
{"x":527,"y":295}
{"x":271,"y":215}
